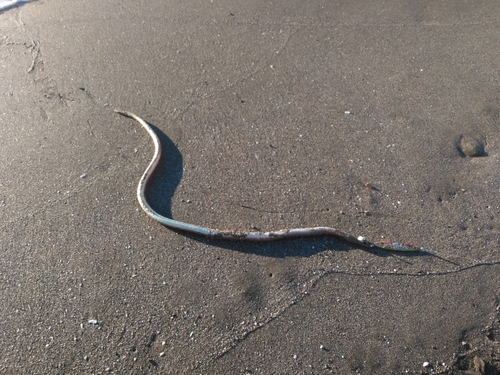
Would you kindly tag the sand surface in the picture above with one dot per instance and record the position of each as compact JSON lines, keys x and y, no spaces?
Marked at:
{"x":272,"y":115}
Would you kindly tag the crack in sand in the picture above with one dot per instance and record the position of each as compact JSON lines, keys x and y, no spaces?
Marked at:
{"x":313,"y":281}
{"x":242,"y":78}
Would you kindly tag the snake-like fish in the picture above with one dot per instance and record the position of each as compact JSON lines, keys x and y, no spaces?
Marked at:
{"x":245,"y":236}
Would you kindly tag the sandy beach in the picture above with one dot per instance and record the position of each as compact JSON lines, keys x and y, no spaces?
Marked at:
{"x":381,"y":119}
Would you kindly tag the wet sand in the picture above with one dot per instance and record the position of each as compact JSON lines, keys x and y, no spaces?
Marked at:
{"x":352,"y":115}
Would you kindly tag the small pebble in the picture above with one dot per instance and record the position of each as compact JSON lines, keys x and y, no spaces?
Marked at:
{"x":162,"y":354}
{"x":93,"y":321}
{"x":83,"y":175}
{"x":471,"y":146}
{"x":426,"y":364}
{"x":295,"y":356}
